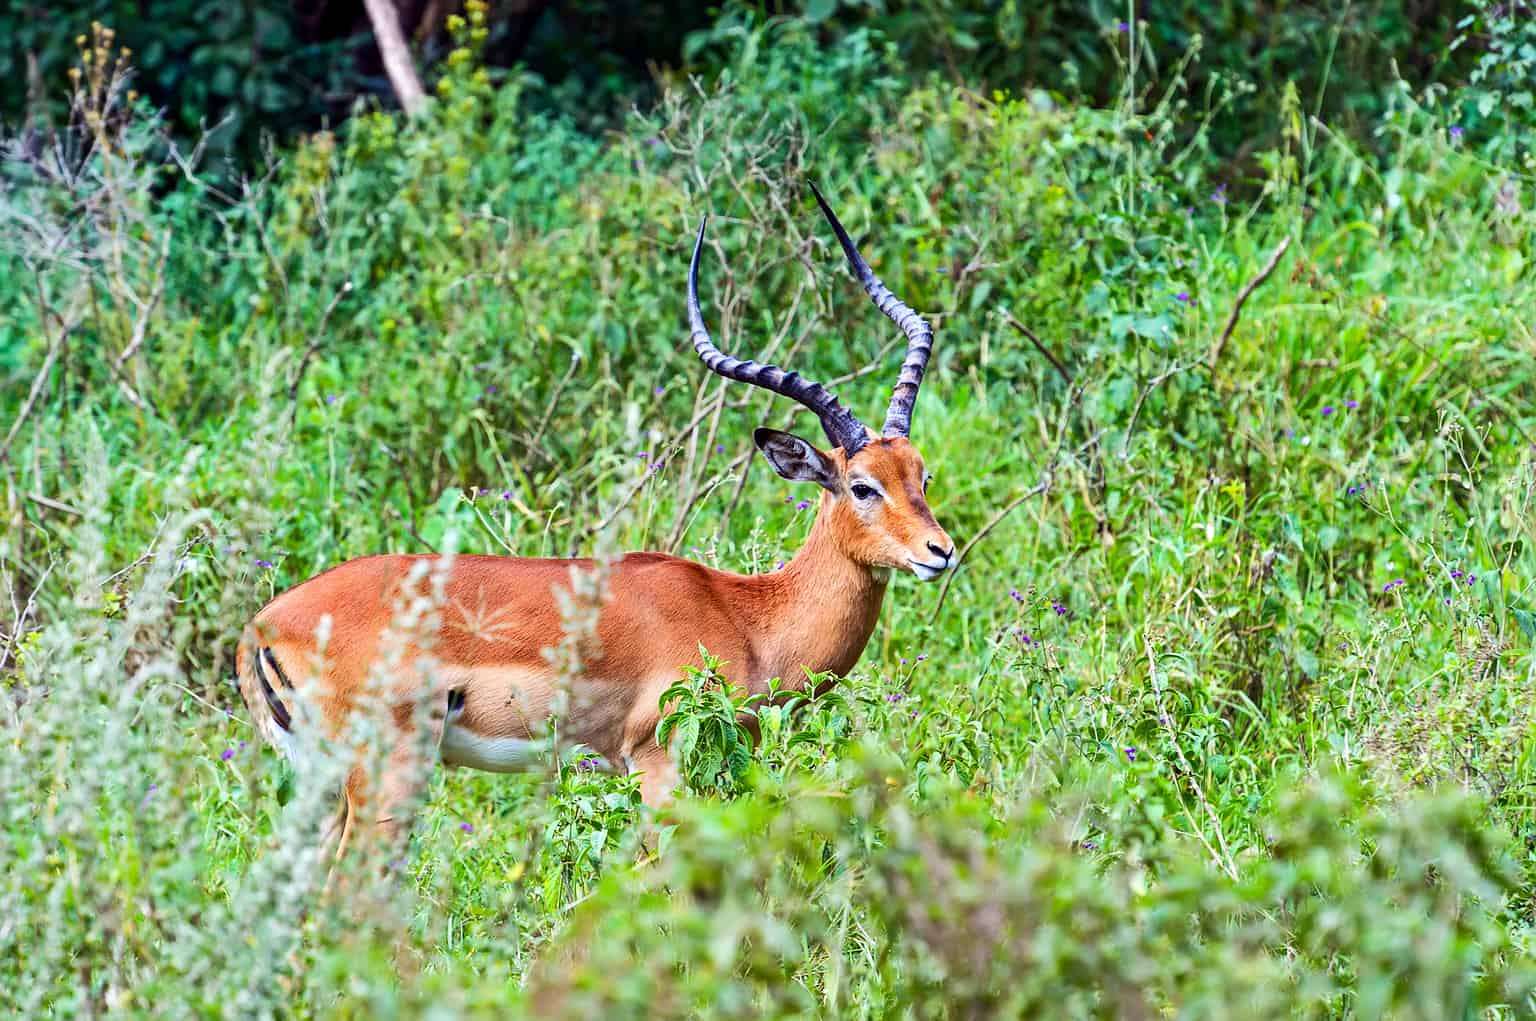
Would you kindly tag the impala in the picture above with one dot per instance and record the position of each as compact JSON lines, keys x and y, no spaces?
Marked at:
{"x":478,"y":666}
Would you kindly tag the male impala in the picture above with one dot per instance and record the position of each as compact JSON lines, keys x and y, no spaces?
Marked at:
{"x":480,"y":665}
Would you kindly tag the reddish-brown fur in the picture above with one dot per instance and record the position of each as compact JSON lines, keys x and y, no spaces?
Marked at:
{"x":499,"y":613}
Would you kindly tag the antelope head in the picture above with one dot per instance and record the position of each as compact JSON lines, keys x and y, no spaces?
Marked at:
{"x":874,"y":487}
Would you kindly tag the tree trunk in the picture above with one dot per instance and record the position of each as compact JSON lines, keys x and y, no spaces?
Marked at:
{"x":396,"y":54}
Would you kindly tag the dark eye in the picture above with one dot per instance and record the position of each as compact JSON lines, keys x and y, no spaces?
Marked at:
{"x":863,"y":492}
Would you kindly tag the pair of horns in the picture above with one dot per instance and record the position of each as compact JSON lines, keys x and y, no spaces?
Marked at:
{"x":840,"y":424}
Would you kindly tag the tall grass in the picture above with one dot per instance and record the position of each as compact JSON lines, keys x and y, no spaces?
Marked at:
{"x":1228,"y":708}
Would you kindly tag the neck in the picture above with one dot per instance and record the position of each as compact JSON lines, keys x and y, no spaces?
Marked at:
{"x":825,"y":607}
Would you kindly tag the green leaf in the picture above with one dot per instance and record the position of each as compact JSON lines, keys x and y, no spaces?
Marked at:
{"x":817,"y":11}
{"x":1527,"y":621}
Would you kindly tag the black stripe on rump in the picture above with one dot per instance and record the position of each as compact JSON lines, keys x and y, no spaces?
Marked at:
{"x":275,"y":704}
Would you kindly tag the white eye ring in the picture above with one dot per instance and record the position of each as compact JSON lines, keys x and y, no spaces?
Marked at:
{"x":863,"y":491}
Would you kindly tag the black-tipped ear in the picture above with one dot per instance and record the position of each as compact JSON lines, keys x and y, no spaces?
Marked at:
{"x":795,"y":459}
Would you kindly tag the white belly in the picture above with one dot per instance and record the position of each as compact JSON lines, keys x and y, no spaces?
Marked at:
{"x":463,"y":747}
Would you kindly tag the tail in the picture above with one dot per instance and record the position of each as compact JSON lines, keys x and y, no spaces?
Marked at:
{"x":256,"y":667}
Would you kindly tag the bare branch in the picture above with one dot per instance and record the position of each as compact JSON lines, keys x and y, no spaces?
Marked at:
{"x":38,"y":383}
{"x":1056,"y":363}
{"x":554,"y":398}
{"x":147,"y":309}
{"x":1008,"y":508}
{"x":1242,"y":296}
{"x":1047,"y":481}
{"x":316,"y":341}
{"x":1141,"y":398}
{"x":51,"y":504}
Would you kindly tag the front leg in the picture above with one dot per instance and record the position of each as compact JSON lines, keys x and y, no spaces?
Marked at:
{"x":658,"y":773}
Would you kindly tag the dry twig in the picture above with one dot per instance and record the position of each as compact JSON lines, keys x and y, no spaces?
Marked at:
{"x":38,"y":382}
{"x":1056,"y":363}
{"x":1242,"y":296}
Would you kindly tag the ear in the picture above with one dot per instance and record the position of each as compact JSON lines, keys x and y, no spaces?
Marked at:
{"x":795,"y":459}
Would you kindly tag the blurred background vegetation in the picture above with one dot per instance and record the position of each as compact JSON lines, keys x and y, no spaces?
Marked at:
{"x":1230,"y":709}
{"x":260,"y":73}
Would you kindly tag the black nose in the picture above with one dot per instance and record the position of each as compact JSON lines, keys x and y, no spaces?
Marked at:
{"x":944,"y":554}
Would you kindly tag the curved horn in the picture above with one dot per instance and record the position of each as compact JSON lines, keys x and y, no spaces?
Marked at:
{"x":898,"y":420}
{"x":840,"y":425}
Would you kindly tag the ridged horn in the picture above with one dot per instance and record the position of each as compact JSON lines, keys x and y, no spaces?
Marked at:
{"x":840,"y":425}
{"x":898,"y":419}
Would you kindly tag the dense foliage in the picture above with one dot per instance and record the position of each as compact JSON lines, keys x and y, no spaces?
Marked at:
{"x":1229,"y":708}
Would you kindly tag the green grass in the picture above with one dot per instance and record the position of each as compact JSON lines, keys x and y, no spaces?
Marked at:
{"x":1174,"y":741}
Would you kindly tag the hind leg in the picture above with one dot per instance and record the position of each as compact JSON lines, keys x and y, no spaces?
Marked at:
{"x":379,"y":805}
{"x":333,"y":837}
{"x":658,"y":774}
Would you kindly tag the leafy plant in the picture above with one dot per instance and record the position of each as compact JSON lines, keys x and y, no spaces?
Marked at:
{"x":705,"y":726}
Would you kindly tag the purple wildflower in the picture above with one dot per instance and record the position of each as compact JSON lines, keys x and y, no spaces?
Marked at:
{"x":1219,"y":196}
{"x":658,"y":391}
{"x":1327,"y":410}
{"x":921,"y":656}
{"x":895,"y":697}
{"x":1089,"y":845}
{"x":1013,"y":594}
{"x":492,"y":389}
{"x":1124,"y":26}
{"x":719,"y":448}
{"x":331,"y":398}
{"x":467,"y":827}
{"x":506,"y":494}
{"x":227,"y":754}
{"x":778,"y":565}
{"x":267,"y":564}
{"x":1351,"y":404}
{"x":1130,"y":754}
{"x":1061,"y":611}
{"x":1456,"y":130}
{"x":802,"y":505}
{"x":1182,"y":296}
{"x":643,"y":454}
{"x":1394,"y":583}
{"x":1457,"y":574}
